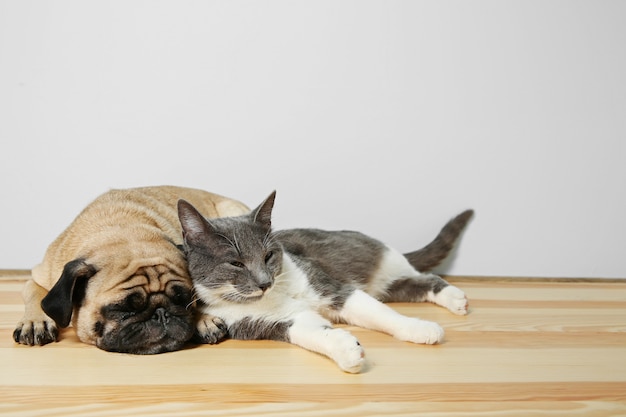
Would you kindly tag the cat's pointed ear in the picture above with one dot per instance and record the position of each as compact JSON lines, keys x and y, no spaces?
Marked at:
{"x":193,"y":223}
{"x":263,"y":214}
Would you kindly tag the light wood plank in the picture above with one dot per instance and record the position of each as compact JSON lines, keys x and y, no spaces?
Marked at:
{"x":344,"y":409}
{"x":526,"y":348}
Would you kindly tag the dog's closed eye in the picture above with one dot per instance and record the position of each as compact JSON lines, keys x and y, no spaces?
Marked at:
{"x":136,"y":302}
{"x":131,"y":305}
{"x":179,"y":295}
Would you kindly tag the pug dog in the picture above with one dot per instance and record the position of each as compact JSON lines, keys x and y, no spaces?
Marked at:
{"x":118,"y":274}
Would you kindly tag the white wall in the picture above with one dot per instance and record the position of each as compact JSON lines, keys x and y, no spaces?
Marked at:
{"x":387,"y":117}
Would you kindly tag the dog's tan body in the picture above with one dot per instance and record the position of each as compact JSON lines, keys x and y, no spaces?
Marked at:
{"x":124,"y":243}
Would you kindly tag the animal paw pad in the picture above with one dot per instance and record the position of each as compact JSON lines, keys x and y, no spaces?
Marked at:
{"x":36,"y":333}
{"x":422,"y":332}
{"x":348,"y":352}
{"x":453,"y":299}
{"x":210,"y":330}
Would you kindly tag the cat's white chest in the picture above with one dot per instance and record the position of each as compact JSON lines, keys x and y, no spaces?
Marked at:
{"x":293,"y":283}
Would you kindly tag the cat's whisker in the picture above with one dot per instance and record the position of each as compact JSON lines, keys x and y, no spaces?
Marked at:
{"x":194,"y":298}
{"x":237,"y":244}
{"x":280,"y":275}
{"x":267,"y":238}
{"x":192,"y":302}
{"x":233,"y":244}
{"x":278,"y":278}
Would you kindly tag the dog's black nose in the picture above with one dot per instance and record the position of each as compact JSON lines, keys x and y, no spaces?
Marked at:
{"x":161,"y":315}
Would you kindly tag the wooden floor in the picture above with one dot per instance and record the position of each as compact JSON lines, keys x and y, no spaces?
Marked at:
{"x":525,"y":349}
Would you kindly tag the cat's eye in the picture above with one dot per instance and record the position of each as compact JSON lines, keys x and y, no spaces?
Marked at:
{"x":268,"y":256}
{"x":237,"y":264}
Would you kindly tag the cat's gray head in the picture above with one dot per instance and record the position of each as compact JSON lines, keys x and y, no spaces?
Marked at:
{"x":231,"y":258}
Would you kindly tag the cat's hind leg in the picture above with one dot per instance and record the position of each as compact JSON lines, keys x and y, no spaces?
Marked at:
{"x":361,"y":309}
{"x":452,"y":298}
{"x":427,"y":287}
{"x":313,"y":332}
{"x":398,"y":281}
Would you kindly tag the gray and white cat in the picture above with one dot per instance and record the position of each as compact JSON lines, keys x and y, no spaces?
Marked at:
{"x":290,"y":285}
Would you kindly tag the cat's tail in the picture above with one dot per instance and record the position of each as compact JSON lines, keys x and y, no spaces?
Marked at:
{"x":435,"y":252}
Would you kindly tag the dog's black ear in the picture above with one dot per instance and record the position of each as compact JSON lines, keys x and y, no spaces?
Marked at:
{"x":58,"y":304}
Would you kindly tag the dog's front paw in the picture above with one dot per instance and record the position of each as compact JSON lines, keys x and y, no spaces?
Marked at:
{"x":210,"y":329}
{"x":36,"y":332}
{"x":453,"y":299}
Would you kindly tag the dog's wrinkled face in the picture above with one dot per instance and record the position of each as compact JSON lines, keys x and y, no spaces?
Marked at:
{"x":148,"y":312}
{"x":152,"y":314}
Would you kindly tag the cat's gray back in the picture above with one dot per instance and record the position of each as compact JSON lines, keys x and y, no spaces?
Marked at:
{"x":335,"y":262}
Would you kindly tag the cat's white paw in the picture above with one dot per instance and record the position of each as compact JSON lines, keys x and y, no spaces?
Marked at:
{"x":347,"y":351}
{"x":420,"y":331}
{"x":453,"y":299}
